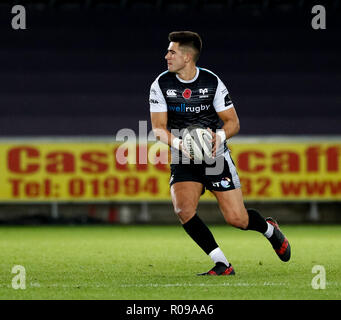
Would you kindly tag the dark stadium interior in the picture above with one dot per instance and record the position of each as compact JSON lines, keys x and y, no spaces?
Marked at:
{"x":85,"y":67}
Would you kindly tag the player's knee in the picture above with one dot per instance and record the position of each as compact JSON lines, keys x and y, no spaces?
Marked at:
{"x":184,"y":213}
{"x":238,"y":219}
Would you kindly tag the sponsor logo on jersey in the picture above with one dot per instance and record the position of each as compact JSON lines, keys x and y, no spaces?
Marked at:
{"x":187,"y":93}
{"x":202,"y":93}
{"x":171,"y":93}
{"x":183,"y":108}
{"x":153,"y":101}
{"x":204,"y":106}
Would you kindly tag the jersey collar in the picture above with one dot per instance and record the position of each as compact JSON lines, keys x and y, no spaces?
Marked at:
{"x":189,"y":81}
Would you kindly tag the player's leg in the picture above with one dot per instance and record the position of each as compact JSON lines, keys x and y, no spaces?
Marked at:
{"x":224,"y":182}
{"x":233,"y":209}
{"x":185,"y":198}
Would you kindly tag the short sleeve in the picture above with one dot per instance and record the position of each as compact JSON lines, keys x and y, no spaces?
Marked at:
{"x":222,"y":100}
{"x":157,"y":101}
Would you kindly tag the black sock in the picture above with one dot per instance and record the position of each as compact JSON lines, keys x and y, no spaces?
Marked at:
{"x":199,"y":232}
{"x":256,"y":221}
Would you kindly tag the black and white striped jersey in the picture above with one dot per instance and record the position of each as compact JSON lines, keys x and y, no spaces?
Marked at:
{"x":193,"y":102}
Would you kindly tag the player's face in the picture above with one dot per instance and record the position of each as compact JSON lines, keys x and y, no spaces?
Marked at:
{"x":175,"y":57}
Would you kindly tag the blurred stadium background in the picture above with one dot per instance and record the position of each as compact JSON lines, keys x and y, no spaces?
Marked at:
{"x":81,"y":71}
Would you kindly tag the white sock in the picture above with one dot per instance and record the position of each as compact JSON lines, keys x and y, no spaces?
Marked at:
{"x":218,"y":256}
{"x":268,"y":233}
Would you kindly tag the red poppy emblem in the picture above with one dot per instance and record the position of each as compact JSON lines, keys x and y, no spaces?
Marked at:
{"x":187,"y":93}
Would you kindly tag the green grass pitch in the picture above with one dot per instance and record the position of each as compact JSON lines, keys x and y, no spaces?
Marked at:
{"x":161,"y":262}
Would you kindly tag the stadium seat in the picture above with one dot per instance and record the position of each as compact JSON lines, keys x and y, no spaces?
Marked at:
{"x":104,"y":5}
{"x":144,"y":6}
{"x":179,"y":6}
{"x":71,"y":5}
{"x":89,"y":75}
{"x":214,"y":6}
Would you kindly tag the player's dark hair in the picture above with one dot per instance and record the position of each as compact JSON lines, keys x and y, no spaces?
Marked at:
{"x":188,"y":39}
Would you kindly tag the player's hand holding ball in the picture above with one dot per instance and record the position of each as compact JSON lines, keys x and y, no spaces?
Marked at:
{"x":217,"y":140}
{"x":177,"y":143}
{"x":197,"y":142}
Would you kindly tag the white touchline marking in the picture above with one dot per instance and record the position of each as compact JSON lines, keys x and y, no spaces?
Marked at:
{"x":146,"y":285}
{"x":224,"y":284}
{"x":165,"y":285}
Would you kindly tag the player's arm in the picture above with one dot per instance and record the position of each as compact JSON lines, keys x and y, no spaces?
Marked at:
{"x":229,"y":129}
{"x":159,"y":117}
{"x":159,"y":125}
{"x":231,"y":124}
{"x":227,"y":113}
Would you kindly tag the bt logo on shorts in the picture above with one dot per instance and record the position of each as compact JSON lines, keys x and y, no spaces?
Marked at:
{"x":225,"y":183}
{"x":183,"y":108}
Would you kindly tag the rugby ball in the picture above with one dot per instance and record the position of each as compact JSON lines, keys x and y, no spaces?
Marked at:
{"x":197,"y":143}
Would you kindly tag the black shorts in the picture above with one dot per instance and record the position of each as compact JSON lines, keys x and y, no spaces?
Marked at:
{"x":213,"y":177}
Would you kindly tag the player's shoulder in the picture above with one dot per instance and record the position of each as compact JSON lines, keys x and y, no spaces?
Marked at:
{"x":163,"y":75}
{"x":208,"y":73}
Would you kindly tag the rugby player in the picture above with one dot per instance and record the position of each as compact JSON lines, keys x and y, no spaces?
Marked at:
{"x":187,"y":95}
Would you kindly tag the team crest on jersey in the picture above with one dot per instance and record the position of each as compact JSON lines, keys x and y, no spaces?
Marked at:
{"x":203,"y":93}
{"x":187,"y":93}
